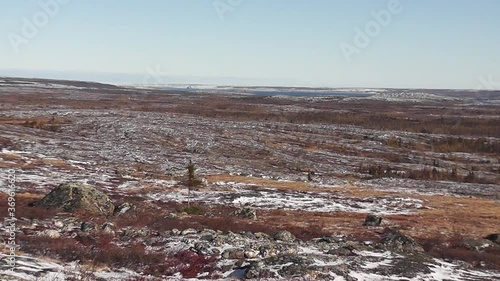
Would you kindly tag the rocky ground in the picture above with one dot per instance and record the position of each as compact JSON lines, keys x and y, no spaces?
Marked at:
{"x":285,"y":184}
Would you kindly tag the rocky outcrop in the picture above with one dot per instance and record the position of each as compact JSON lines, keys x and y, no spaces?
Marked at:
{"x":258,"y":256}
{"x":479,"y":244}
{"x":124,"y":208}
{"x":290,"y":266}
{"x":284,"y":236}
{"x":75,"y":196}
{"x":246,"y":212}
{"x":88,"y":227}
{"x":372,"y":220}
{"x":50,"y":233}
{"x":108,"y":228}
{"x":189,"y":231}
{"x":396,"y":241}
{"x":495,"y":237}
{"x":234,"y":254}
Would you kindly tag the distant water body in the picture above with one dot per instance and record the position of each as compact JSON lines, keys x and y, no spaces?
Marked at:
{"x":283,"y":92}
{"x":309,"y":94}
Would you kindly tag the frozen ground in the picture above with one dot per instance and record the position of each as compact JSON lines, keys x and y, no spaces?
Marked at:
{"x":103,"y":141}
{"x":365,"y":266}
{"x":307,"y":201}
{"x":141,"y":142}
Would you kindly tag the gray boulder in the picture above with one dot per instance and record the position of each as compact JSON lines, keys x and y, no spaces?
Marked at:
{"x":284,"y":236}
{"x":261,"y":236}
{"x":295,"y":266}
{"x":88,"y":227}
{"x":246,"y":212}
{"x":124,"y":208}
{"x":51,"y":233}
{"x":258,"y":270}
{"x":372,"y":220}
{"x":108,"y":228}
{"x":75,"y":196}
{"x":479,"y":244}
{"x":143,"y":232}
{"x":234,"y":254}
{"x":495,"y":237}
{"x":189,"y":231}
{"x":396,"y":241}
{"x":58,"y":224}
{"x":268,"y":250}
{"x":251,"y":254}
{"x":342,"y":251}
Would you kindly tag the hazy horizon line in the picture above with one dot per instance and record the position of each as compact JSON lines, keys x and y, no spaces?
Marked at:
{"x":136,"y":79}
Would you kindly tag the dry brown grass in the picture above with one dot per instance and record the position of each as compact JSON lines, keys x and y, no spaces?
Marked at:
{"x":15,"y":161}
{"x":446,"y":219}
{"x":42,"y":122}
{"x":458,"y":247}
{"x":99,"y":252}
{"x":11,"y":157}
{"x":58,"y":163}
{"x":259,"y":181}
{"x":347,"y":190}
{"x":447,"y":118}
{"x":23,"y":209}
{"x":474,"y":217}
{"x":21,"y":166}
{"x":446,"y":215}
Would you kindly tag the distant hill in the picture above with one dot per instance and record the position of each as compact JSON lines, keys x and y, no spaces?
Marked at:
{"x":49,"y":82}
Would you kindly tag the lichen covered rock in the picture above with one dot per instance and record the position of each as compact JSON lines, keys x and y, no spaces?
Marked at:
{"x":396,"y":241}
{"x":75,"y":196}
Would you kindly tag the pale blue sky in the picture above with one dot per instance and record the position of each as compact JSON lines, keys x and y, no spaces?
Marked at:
{"x":430,"y":44}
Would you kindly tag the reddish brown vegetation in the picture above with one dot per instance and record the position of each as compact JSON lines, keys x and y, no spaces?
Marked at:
{"x":305,"y":225}
{"x":6,"y":143}
{"x":190,"y":264}
{"x":45,"y":123}
{"x":450,"y":144}
{"x":447,"y":118}
{"x":104,"y":252}
{"x":477,"y":217}
{"x":100,"y":252}
{"x":426,"y":173}
{"x":25,"y":208}
{"x":457,"y":248}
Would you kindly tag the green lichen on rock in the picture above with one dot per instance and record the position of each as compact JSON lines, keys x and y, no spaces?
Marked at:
{"x":75,"y":196}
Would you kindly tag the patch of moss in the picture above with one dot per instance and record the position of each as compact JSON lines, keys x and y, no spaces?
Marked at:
{"x":194,"y":210}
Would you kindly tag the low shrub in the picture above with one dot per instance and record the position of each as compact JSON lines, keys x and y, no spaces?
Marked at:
{"x":193,"y":210}
{"x":190,"y":264}
{"x":455,"y":248}
{"x":98,"y":251}
{"x":25,"y":207}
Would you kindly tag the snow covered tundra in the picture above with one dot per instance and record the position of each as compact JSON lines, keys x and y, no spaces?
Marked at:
{"x":105,"y":182}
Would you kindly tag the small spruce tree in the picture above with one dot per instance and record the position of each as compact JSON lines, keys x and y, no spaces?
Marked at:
{"x":191,"y":179}
{"x":191,"y":169}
